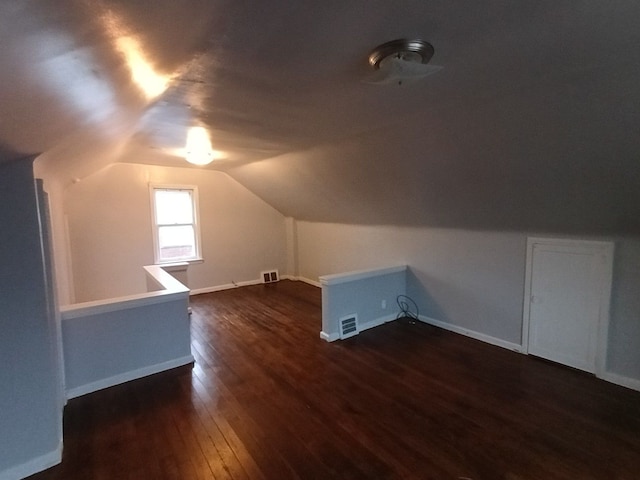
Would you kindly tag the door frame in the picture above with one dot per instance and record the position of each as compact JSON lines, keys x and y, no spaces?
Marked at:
{"x":606,"y":250}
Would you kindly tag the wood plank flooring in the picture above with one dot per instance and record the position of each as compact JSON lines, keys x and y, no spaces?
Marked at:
{"x":267,"y":399}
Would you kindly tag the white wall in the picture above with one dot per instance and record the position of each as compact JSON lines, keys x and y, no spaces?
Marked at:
{"x":30,"y":403}
{"x":473,"y":280}
{"x":111,"y":238}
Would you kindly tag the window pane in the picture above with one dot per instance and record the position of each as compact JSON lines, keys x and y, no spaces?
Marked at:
{"x":173,"y":206}
{"x":176,"y":242}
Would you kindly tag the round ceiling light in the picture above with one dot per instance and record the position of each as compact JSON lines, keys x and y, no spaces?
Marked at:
{"x":401,"y":61}
{"x":417,"y":51}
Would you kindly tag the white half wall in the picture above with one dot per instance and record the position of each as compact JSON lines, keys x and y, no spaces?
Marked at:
{"x":105,"y":347}
{"x":370,"y":295}
{"x":111,"y":240}
{"x":471,"y":282}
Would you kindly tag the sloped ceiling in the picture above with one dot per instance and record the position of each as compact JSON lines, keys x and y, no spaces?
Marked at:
{"x":532,"y":125}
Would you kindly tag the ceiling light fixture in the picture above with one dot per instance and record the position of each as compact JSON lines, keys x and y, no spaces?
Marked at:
{"x":198,"y":149}
{"x":401,"y":61}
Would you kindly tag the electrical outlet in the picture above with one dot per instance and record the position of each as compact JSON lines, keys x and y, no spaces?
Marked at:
{"x":384,"y":304}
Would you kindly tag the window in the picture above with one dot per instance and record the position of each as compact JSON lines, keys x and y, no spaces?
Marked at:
{"x":175,"y":223}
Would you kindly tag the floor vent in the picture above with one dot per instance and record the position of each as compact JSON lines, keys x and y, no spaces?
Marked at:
{"x":349,"y":326}
{"x":270,"y":277}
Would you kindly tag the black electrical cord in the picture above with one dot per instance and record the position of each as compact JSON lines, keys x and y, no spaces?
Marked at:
{"x":405,"y":303}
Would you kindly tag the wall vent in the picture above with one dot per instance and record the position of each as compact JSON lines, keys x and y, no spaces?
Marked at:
{"x":349,"y":326}
{"x":270,"y":276}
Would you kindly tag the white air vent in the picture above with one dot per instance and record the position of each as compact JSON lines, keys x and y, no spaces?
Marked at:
{"x":270,"y":276}
{"x":349,"y":326}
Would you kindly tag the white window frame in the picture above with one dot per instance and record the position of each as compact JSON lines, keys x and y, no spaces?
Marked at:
{"x":196,"y":222}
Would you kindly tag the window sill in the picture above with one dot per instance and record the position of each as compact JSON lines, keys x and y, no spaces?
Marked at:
{"x":178,"y":263}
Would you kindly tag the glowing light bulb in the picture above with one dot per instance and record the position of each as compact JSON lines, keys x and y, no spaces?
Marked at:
{"x":198,"y":149}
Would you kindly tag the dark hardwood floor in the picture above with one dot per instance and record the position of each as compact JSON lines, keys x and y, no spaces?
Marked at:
{"x":267,"y":399}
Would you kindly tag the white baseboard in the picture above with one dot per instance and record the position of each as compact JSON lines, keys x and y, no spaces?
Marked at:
{"x":329,"y":337}
{"x":227,"y":286}
{"x":310,"y":282}
{"x":473,"y":334}
{"x":128,"y":376}
{"x":34,"y":465}
{"x":305,"y":280}
{"x":632,"y":383}
{"x":628,"y":382}
{"x":377,"y":322}
{"x":332,"y":337}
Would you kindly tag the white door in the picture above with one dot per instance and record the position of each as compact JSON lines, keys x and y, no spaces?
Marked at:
{"x":567,"y":300}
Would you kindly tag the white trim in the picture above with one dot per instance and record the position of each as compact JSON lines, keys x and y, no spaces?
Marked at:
{"x":116,"y":304}
{"x":628,"y":382}
{"x":172,"y":290}
{"x":294,"y":278}
{"x":174,"y":267}
{"x":632,"y":383}
{"x":607,"y":251}
{"x":34,"y":465}
{"x":226,"y":286}
{"x":471,"y":333}
{"x":128,"y":376}
{"x":71,"y":297}
{"x":568,"y":242}
{"x":188,"y":261}
{"x":360,"y":274}
{"x":329,"y":337}
{"x":526,"y":297}
{"x":196,"y":221}
{"x":377,"y":322}
{"x":604,"y":316}
{"x":310,"y":282}
{"x":229,"y":286}
{"x":163,"y":279}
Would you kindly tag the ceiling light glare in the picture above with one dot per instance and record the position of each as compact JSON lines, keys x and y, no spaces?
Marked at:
{"x":198,"y":149}
{"x":152,"y":83}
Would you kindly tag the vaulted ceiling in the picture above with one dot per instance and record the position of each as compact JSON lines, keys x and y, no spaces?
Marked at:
{"x":533,"y":124}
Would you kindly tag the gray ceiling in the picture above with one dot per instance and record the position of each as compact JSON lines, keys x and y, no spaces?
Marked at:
{"x":533,"y":124}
